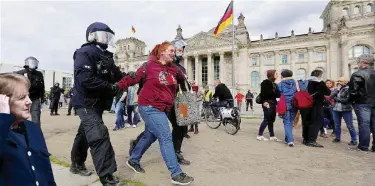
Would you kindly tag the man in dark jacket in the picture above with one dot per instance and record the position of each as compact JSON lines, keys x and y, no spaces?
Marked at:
{"x":249,"y":100}
{"x":94,"y":77}
{"x":70,"y":106}
{"x":37,"y":89}
{"x":362,"y":95}
{"x":313,"y":118}
{"x":56,"y":92}
{"x":224,"y":95}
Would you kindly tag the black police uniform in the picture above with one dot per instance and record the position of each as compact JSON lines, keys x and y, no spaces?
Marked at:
{"x":94,"y":76}
{"x":36,"y":92}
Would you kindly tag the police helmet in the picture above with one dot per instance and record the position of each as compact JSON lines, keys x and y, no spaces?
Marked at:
{"x":31,"y":62}
{"x":100,"y":33}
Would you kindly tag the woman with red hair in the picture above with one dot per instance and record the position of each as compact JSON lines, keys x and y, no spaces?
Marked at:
{"x":155,"y":100}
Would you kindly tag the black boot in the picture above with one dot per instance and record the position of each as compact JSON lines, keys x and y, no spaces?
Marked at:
{"x":181,"y":160}
{"x":110,"y":180}
{"x":79,"y":169}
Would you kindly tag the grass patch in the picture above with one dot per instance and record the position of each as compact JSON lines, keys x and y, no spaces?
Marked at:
{"x":59,"y":162}
{"x":133,"y":183}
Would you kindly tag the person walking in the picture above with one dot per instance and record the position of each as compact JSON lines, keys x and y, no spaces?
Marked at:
{"x":156,"y":99}
{"x":249,"y":100}
{"x":269,"y":91}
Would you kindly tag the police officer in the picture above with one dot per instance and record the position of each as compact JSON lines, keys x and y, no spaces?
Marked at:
{"x":94,"y":76}
{"x":55,"y":95}
{"x":36,"y":91}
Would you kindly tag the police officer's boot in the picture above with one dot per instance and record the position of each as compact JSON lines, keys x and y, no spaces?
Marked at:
{"x":110,"y":180}
{"x":80,"y":169}
{"x":181,"y":160}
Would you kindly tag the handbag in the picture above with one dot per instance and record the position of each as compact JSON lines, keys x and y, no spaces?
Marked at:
{"x":258,"y":99}
{"x":186,"y":106}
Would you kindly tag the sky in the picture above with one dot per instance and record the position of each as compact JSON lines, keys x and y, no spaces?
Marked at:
{"x":52,"y":30}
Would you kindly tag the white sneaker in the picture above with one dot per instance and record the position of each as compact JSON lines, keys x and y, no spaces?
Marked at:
{"x":275,"y":139}
{"x":134,"y":126}
{"x":261,"y":138}
{"x":127,"y":126}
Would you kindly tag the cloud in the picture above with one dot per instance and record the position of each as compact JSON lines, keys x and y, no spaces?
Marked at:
{"x":53,"y":30}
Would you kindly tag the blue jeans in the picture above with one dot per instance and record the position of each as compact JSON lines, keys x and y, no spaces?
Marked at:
{"x":348,"y":118}
{"x":132,"y":109}
{"x":365,"y":114}
{"x":120,"y":122}
{"x":113,"y":107}
{"x":156,"y":127}
{"x":288,"y":119}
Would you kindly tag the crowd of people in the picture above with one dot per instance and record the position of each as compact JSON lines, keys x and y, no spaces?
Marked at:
{"x":151,"y":91}
{"x":331,"y":100}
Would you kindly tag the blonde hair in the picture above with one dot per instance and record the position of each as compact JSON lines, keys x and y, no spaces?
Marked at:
{"x":8,"y":82}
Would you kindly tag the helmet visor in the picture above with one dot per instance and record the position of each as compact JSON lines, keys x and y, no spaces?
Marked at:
{"x":32,"y":63}
{"x":104,"y":37}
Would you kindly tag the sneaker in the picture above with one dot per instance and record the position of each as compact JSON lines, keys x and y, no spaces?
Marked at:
{"x":134,"y":126}
{"x":182,"y":179}
{"x":261,"y":138}
{"x":110,"y":180}
{"x":353,"y":143}
{"x":80,"y":169}
{"x":115,"y":129}
{"x":135,"y":166}
{"x":324,"y":135}
{"x":290,"y":144}
{"x":181,"y":160}
{"x":275,"y":139}
{"x":314,"y":144}
{"x":336,"y":141}
{"x":358,"y":149}
{"x":127,"y":126}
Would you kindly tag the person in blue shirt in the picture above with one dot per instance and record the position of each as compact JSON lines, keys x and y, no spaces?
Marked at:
{"x":24,"y":157}
{"x":288,"y":87}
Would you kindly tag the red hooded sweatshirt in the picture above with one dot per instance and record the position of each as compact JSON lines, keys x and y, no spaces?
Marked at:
{"x":160,"y":85}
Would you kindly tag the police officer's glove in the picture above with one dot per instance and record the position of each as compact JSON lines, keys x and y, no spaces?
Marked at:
{"x":115,"y":89}
{"x":132,"y":74}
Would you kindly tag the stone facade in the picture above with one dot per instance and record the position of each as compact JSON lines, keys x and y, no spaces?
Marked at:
{"x":348,"y":31}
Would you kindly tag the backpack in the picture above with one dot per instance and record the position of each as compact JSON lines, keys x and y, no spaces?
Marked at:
{"x":303,"y":99}
{"x":143,"y":77}
{"x":281,"y":107}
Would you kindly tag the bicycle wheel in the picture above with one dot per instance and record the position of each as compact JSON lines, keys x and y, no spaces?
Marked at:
{"x":232,"y":127}
{"x":211,"y":120}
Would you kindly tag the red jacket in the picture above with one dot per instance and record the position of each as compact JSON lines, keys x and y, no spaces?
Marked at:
{"x":160,"y":85}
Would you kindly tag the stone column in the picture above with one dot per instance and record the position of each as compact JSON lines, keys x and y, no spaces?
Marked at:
{"x":261,"y":67}
{"x":328,"y":63}
{"x":210,"y":74}
{"x":277,"y":60}
{"x":186,"y":64}
{"x":293,"y":60}
{"x":222,"y":66}
{"x":310,"y":61}
{"x":197,"y":69}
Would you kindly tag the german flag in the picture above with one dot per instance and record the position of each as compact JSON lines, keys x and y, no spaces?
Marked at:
{"x":133,"y":29}
{"x":226,"y":20}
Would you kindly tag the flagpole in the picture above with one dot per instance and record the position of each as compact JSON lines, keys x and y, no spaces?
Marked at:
{"x":233,"y":43}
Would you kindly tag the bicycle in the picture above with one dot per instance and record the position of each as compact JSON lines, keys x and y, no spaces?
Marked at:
{"x":229,"y":117}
